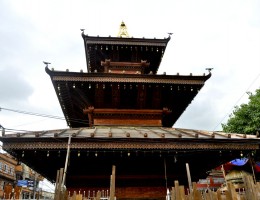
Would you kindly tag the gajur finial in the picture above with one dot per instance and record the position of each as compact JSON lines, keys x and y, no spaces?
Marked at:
{"x":123,"y":30}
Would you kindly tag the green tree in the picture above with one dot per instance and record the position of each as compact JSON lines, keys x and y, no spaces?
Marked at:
{"x":246,"y":117}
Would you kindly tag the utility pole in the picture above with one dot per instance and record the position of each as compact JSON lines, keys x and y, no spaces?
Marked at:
{"x":3,"y":129}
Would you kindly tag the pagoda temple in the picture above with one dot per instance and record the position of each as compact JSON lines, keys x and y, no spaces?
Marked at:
{"x":121,"y":112}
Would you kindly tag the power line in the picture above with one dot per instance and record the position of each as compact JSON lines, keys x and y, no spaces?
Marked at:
{"x":45,"y":115}
{"x":237,"y":101}
{"x":31,"y":113}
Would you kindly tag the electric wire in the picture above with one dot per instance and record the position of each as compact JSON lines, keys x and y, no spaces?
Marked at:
{"x":236,"y":102}
{"x":45,"y":115}
{"x":31,"y":113}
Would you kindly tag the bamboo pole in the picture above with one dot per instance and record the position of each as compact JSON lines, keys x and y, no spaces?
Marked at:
{"x":253,"y":171}
{"x":66,"y":163}
{"x":189,"y":177}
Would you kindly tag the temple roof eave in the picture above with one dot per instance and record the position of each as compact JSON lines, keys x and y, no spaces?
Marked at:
{"x":181,"y":144}
{"x":136,"y":78}
{"x":125,"y":41}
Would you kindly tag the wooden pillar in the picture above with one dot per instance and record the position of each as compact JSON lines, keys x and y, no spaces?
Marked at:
{"x":115,"y":95}
{"x":157,"y":91}
{"x":99,"y":95}
{"x":141,"y":97}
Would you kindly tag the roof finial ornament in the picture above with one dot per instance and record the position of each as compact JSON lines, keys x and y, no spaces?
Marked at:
{"x":46,"y":63}
{"x":209,"y":70}
{"x":82,"y":31}
{"x":123,"y":30}
{"x":170,"y":34}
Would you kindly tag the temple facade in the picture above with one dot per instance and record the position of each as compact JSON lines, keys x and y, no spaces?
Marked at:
{"x":121,"y":113}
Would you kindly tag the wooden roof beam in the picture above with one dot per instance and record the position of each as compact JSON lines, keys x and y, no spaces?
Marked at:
{"x":179,"y":135}
{"x":125,"y":111}
{"x":223,"y":135}
{"x":61,"y":132}
{"x":205,"y":134}
{"x":196,"y":135}
{"x":109,"y":63}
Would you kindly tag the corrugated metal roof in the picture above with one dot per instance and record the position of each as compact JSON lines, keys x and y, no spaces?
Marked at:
{"x":130,"y":132}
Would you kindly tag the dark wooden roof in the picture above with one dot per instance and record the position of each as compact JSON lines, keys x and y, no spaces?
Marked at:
{"x":138,"y":152}
{"x":98,"y":49}
{"x":77,"y":91}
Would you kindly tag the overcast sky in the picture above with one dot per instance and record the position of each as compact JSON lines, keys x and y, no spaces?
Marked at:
{"x":221,"y":34}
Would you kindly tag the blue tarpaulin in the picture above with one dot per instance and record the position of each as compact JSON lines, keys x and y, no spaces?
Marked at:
{"x":22,"y":183}
{"x":239,"y":162}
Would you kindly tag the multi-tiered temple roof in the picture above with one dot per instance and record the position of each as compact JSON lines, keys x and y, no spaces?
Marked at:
{"x":122,"y":86}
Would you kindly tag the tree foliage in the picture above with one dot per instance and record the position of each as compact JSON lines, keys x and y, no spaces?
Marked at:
{"x":246,"y":117}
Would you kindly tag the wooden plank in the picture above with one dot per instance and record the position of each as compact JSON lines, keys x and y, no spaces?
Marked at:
{"x":79,"y":197}
{"x":228,"y":195}
{"x":57,"y":179}
{"x":207,"y":196}
{"x":212,"y":195}
{"x":121,"y":121}
{"x":74,"y":196}
{"x":250,"y":188}
{"x":56,"y":185}
{"x":112,"y":183}
{"x":124,"y":64}
{"x":60,"y":183}
{"x":219,"y":196}
{"x":177,"y":190}
{"x":173,"y":194}
{"x":126,"y":111}
{"x":195,"y":193}
{"x":98,"y":195}
{"x":232,"y":191}
{"x":257,"y":189}
{"x":182,"y":192}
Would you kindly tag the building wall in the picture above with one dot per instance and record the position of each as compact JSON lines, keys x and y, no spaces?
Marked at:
{"x":10,"y":172}
{"x":7,"y":171}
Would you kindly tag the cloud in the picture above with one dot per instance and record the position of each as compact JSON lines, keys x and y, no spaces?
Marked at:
{"x":219,"y":34}
{"x":13,"y":88}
